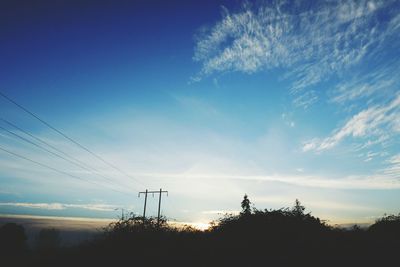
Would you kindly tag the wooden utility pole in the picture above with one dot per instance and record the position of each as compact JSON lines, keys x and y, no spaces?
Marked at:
{"x":159,"y":205}
{"x":145,"y":202}
{"x":160,"y":192}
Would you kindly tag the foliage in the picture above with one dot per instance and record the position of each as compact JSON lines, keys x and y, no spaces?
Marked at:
{"x":48,"y":239}
{"x":388,"y":219}
{"x":280,"y":237}
{"x":271,"y":223}
{"x":134,"y":223}
{"x":245,"y":204}
{"x":298,"y":209}
{"x":387,"y":228}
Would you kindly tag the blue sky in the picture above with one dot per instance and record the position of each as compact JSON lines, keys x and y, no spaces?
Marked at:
{"x":209,"y":100}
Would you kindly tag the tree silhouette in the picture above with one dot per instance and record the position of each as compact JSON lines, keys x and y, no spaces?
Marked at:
{"x":298,"y":209}
{"x":245,"y":204}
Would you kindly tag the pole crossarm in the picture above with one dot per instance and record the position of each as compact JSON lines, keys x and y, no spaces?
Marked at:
{"x":153,"y":192}
{"x":160,"y":192}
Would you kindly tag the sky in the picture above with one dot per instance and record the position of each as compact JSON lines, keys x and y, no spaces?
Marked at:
{"x":209,"y":100}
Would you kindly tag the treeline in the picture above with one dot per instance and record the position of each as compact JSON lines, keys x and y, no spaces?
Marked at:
{"x":283,"y":237}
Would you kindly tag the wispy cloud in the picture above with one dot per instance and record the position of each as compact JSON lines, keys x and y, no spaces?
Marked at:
{"x":312,"y":42}
{"x":59,"y":206}
{"x":323,"y":50}
{"x":376,"y":122}
{"x":365,"y":86}
{"x":306,"y":99}
{"x":393,"y":168}
{"x":374,"y":181}
{"x":45,"y":206}
{"x":287,"y":119}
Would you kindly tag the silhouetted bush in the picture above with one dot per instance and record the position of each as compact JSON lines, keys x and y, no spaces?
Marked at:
{"x":388,"y":226}
{"x":385,"y":232}
{"x":271,"y":234}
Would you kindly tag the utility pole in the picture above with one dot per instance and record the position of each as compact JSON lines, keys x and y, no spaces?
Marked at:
{"x":145,"y":202}
{"x":160,"y":192}
{"x":122,"y":213}
{"x":159,"y":205}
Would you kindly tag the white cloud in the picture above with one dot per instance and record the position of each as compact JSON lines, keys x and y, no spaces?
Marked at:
{"x":376,"y":181}
{"x":311,"y":42}
{"x":376,"y":121}
{"x":379,"y":81}
{"x":349,"y":43}
{"x":393,"y":170}
{"x":306,"y":99}
{"x":60,"y":206}
{"x":45,"y":206}
{"x":96,"y":207}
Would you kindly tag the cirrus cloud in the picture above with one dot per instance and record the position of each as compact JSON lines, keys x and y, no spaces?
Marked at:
{"x":311,"y":42}
{"x":59,"y":206}
{"x":378,"y":122}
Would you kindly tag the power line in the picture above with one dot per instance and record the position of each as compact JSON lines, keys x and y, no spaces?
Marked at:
{"x":56,"y":170}
{"x":41,"y":141}
{"x":74,"y":161}
{"x":69,"y":138}
{"x":45,"y":149}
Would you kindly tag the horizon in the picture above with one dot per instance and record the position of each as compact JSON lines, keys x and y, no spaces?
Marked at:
{"x":209,"y":101}
{"x":96,"y":224}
